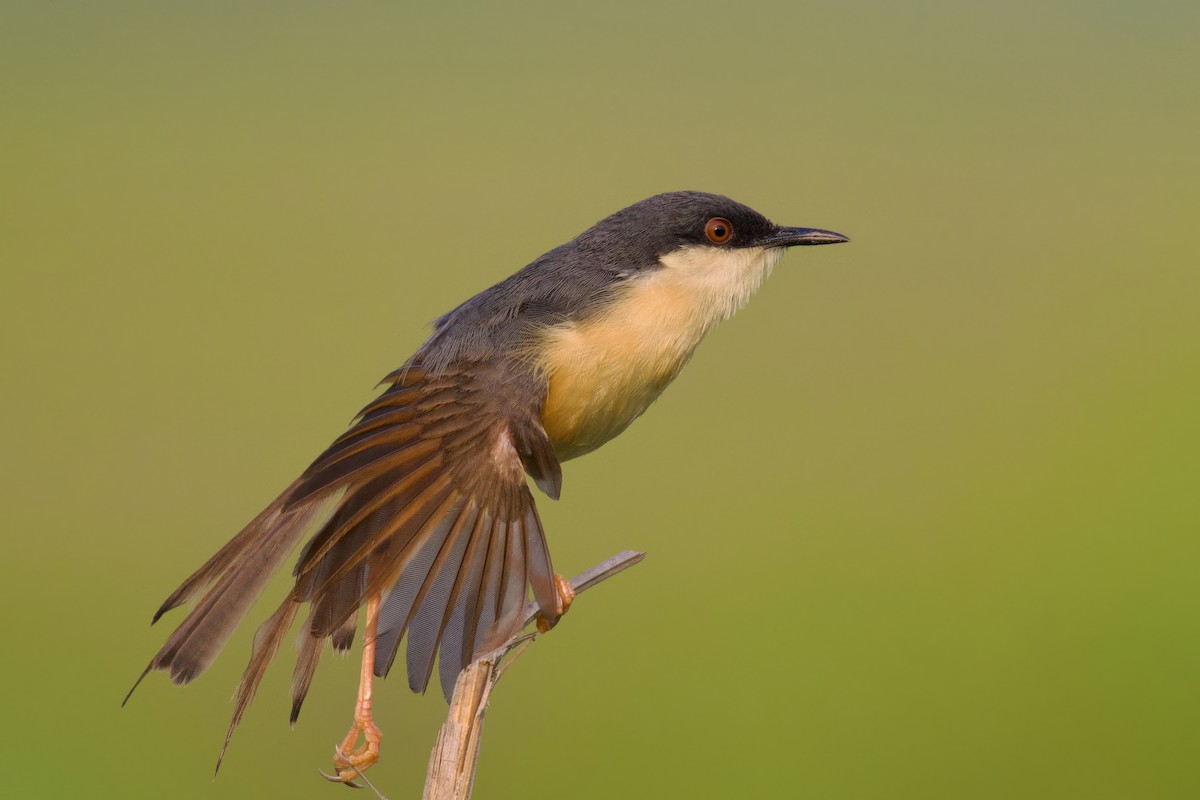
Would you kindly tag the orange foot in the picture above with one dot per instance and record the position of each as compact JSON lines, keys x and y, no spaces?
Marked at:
{"x":565,"y":597}
{"x":351,"y":758}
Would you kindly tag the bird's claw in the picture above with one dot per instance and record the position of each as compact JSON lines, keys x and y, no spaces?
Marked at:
{"x":566,"y":595}
{"x":345,"y":781}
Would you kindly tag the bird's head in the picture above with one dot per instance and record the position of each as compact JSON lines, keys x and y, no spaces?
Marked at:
{"x":643,"y":234}
{"x":713,"y":248}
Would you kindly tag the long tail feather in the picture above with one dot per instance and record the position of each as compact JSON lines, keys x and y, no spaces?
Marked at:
{"x":266,"y":645}
{"x":219,"y":563}
{"x":191,"y":648}
{"x":308,"y":655}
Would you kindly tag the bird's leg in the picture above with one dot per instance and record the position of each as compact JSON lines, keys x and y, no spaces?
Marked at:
{"x":565,"y":596}
{"x":351,"y":758}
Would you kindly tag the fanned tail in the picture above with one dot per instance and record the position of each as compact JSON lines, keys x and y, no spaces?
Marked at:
{"x":423,"y":501}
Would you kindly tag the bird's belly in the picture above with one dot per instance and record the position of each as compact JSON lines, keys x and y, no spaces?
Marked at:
{"x":590,"y":403}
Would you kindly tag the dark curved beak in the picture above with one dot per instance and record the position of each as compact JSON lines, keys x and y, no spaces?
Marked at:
{"x":791,"y":237}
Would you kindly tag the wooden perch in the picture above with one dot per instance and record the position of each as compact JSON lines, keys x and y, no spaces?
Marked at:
{"x":451,"y":772}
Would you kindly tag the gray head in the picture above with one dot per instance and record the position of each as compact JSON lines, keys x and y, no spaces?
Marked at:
{"x":639,"y":235}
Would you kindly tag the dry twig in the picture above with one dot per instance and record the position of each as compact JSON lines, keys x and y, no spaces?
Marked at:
{"x":452,"y":763}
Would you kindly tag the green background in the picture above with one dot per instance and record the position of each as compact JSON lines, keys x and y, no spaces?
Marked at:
{"x":921,"y":521}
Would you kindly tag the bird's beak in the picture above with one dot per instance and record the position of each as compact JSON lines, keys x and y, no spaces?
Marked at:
{"x":790,"y":237}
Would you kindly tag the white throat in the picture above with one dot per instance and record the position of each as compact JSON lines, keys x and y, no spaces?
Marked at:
{"x":719,"y":280}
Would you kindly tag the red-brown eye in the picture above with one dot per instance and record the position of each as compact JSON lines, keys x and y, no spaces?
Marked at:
{"x":718,"y":230}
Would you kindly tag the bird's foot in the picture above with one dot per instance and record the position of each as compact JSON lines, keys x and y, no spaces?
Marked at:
{"x":353,"y":756}
{"x":566,"y":595}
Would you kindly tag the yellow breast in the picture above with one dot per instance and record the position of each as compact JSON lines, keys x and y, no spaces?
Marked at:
{"x":606,"y":370}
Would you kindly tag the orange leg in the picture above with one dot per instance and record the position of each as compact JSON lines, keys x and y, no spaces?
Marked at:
{"x":351,"y":758}
{"x":565,"y":597}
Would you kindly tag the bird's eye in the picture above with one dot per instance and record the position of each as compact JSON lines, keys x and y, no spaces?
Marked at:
{"x":718,"y":230}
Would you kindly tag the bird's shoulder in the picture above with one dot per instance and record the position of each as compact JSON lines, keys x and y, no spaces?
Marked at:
{"x":565,"y":285}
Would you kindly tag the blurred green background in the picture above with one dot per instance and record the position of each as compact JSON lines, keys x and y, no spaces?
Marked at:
{"x":921,"y":521}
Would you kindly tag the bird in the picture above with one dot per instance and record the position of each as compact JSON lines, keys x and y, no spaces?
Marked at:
{"x":421,"y":515}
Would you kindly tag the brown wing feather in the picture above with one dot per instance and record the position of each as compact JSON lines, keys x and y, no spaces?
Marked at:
{"x":431,"y":509}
